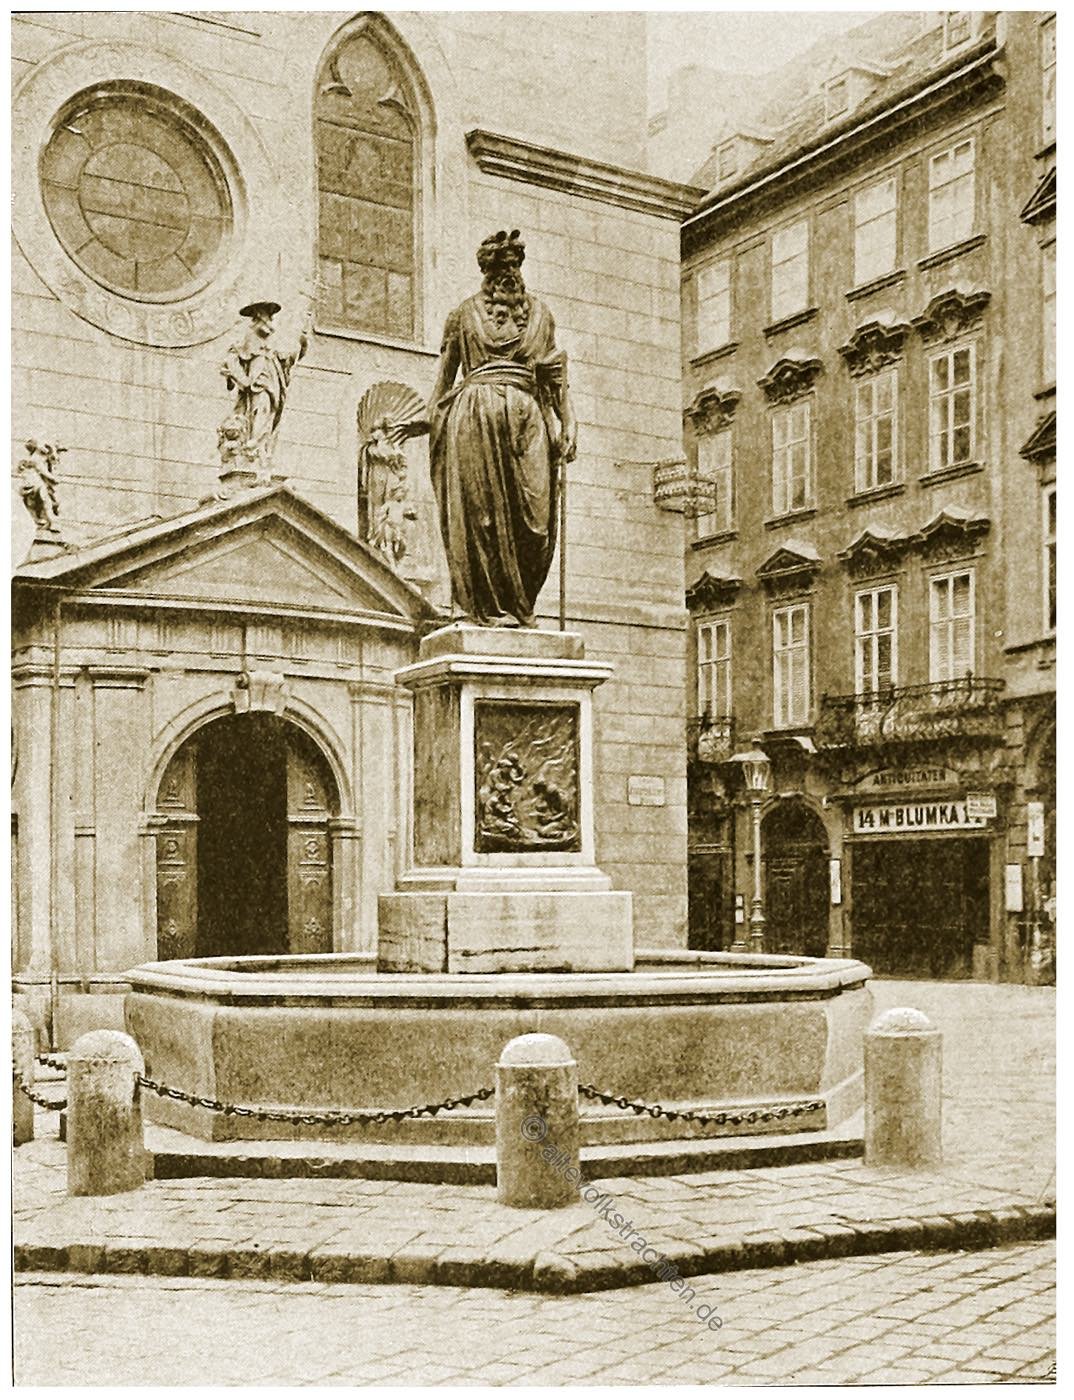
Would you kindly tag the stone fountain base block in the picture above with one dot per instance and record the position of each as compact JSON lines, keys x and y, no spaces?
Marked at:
{"x":509,"y":931}
{"x":772,"y":1043}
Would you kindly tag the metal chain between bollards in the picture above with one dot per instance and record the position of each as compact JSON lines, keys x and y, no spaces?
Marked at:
{"x":331,"y":1118}
{"x":686,"y":1115}
{"x":52,"y":1062}
{"x":55,"y":1105}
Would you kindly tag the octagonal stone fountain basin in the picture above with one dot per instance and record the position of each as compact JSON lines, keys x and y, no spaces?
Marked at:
{"x":710,"y":1031}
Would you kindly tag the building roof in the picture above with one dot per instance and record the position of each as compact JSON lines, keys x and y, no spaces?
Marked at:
{"x":805,"y":133}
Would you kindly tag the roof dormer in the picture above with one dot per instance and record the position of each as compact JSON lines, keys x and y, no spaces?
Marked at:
{"x":847,"y":87}
{"x":736,"y":151}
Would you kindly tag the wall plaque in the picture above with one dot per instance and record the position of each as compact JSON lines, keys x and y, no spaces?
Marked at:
{"x":646,"y":792}
{"x":526,"y":773}
{"x":905,"y":818}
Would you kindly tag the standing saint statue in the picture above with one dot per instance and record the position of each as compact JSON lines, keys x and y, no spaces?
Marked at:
{"x":498,"y":440}
{"x":258,"y":375}
{"x":37,"y":476}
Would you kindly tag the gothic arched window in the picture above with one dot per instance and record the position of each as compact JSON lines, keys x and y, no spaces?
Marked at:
{"x":367,"y":120}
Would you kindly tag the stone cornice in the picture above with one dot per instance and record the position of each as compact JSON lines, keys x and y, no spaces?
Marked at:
{"x":873,"y":346}
{"x":951,"y":314}
{"x":590,"y":179}
{"x":790,"y":378}
{"x":712,"y":410}
{"x":711,"y":591}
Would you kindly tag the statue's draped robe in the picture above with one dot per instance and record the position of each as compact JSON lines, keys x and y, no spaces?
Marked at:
{"x":493,"y":460}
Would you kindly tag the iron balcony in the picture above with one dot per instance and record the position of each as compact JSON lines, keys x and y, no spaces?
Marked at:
{"x":968,"y":708}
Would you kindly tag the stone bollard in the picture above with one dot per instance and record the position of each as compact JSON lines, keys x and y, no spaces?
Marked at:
{"x":23,"y":1058}
{"x":903,"y":1090}
{"x":537,"y":1124}
{"x":105,"y":1144}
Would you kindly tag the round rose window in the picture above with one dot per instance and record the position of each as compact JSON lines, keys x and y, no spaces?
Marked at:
{"x":136,"y":196}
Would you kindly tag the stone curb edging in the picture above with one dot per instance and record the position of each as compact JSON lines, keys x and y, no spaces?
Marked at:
{"x":547,"y":1272}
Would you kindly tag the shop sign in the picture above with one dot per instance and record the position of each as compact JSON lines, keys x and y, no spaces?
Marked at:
{"x":981,"y":804}
{"x":900,"y":819}
{"x":835,"y":880}
{"x":887,"y":779}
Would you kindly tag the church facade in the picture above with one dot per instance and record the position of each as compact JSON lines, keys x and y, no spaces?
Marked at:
{"x":211,"y":755}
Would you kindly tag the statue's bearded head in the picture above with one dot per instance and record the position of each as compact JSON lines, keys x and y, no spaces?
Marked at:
{"x":500,"y":258}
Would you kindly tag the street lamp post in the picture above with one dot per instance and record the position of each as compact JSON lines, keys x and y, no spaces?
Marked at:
{"x":755,"y":770}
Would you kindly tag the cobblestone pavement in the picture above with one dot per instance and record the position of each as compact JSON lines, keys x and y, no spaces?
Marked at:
{"x":888,"y":1319}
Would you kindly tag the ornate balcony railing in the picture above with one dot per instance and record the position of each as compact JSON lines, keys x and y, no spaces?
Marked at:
{"x":710,"y":740}
{"x":968,"y":708}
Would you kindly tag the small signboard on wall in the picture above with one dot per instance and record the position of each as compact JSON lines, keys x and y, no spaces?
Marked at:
{"x":835,"y":880}
{"x":981,"y":804}
{"x":1035,"y":828}
{"x":1013,"y":889}
{"x":645,"y":792}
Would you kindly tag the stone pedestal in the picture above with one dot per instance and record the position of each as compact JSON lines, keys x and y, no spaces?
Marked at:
{"x":504,"y":875}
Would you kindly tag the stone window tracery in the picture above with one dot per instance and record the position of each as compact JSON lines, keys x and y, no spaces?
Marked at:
{"x":368,"y":133}
{"x":135,"y":194}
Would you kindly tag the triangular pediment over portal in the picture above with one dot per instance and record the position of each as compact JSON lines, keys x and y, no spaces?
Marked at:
{"x":265,"y":548}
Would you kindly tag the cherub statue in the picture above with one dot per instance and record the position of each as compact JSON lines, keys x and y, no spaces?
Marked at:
{"x":37,"y":478}
{"x":385,"y":507}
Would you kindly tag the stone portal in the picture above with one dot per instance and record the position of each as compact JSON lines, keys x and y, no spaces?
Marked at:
{"x":504,"y":875}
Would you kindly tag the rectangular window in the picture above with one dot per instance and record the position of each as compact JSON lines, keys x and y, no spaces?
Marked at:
{"x":1047,"y":64}
{"x":951,"y":196}
{"x":713,"y":306}
{"x":836,"y":98}
{"x":790,"y":666}
{"x":790,"y":270}
{"x":874,"y":231}
{"x":714,"y":668}
{"x":714,"y":463}
{"x":957,"y":29}
{"x":952,"y":407}
{"x":1049,"y":559}
{"x":1048,"y":309}
{"x":792,"y":466}
{"x":875,"y":639}
{"x":876,"y":431}
{"x":951,"y":626}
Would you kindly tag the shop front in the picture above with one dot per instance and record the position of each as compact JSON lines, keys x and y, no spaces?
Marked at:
{"x":919,"y":851}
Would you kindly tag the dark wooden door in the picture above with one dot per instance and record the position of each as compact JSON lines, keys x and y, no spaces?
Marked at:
{"x":309,"y":851}
{"x":796,"y":901}
{"x":177,"y":857}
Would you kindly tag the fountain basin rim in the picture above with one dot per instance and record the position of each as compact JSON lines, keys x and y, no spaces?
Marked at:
{"x":342,"y":979}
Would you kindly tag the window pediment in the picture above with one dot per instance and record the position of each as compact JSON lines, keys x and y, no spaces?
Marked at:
{"x":874,"y":552}
{"x":789,"y":569}
{"x":951,"y":534}
{"x":951,"y":314}
{"x":1040,"y":445}
{"x":790,"y":378}
{"x":1040,"y":206}
{"x":712,"y":410}
{"x":713,"y":590}
{"x":873,"y":346}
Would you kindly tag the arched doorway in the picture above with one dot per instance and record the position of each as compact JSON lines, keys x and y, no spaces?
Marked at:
{"x":244,"y":860}
{"x":795,"y":847}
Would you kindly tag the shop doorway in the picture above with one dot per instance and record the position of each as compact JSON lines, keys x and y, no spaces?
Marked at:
{"x":920,"y":906}
{"x":243,"y":843}
{"x":795,"y":847}
{"x":711,"y":896}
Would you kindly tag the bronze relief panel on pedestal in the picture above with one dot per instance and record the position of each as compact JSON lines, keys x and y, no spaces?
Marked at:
{"x":526,"y":777}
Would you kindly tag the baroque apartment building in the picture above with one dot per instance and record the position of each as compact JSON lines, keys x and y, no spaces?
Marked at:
{"x":211,"y":753}
{"x":869,"y":341}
